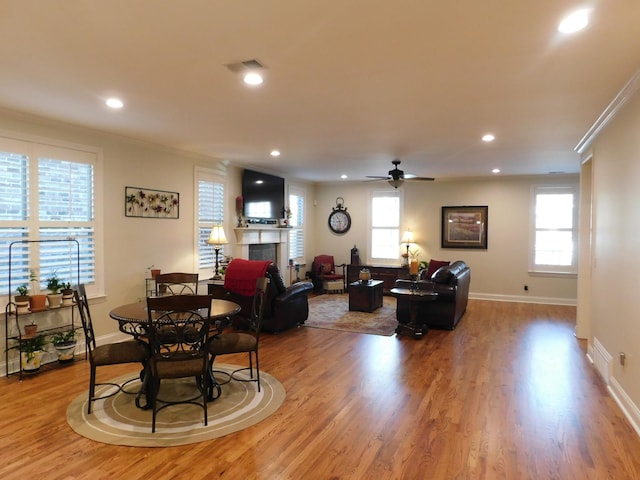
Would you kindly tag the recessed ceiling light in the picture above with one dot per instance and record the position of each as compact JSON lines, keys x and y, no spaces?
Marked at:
{"x":114,"y":103}
{"x":488,"y":137}
{"x":275,"y":153}
{"x":495,"y":170}
{"x":574,"y":22}
{"x":253,"y":78}
{"x":343,"y":176}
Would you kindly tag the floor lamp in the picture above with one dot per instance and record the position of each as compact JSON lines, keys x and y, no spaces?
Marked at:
{"x":217,"y":238}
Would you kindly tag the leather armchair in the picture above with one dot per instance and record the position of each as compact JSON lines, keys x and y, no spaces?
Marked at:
{"x":285,"y":307}
{"x":451,"y":282}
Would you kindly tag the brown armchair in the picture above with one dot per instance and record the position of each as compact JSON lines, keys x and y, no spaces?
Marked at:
{"x":285,"y":307}
{"x":324,"y":270}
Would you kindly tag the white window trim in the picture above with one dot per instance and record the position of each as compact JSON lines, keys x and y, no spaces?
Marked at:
{"x":553,"y":270}
{"x":300,"y":192}
{"x":218,"y":175}
{"x":383,"y":261}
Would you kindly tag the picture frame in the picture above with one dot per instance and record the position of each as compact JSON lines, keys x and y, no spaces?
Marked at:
{"x":465,"y":227}
{"x":150,"y":203}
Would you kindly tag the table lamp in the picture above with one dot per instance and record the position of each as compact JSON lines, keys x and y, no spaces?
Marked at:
{"x":217,"y":238}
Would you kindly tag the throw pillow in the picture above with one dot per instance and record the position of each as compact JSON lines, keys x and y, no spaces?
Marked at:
{"x":326,"y":268}
{"x":433,"y":266}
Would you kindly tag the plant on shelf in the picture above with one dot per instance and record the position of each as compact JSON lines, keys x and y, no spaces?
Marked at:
{"x":22,"y":298}
{"x":65,"y":344}
{"x":31,"y":351}
{"x":54,"y":285}
{"x":67,"y":294}
{"x":37,"y":301}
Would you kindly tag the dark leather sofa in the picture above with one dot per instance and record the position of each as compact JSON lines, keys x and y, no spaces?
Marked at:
{"x":451,"y":282}
{"x":285,"y":307}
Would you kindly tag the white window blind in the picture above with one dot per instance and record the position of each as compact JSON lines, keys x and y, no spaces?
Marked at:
{"x":48,"y":193}
{"x":296,"y":234}
{"x":210,"y":212}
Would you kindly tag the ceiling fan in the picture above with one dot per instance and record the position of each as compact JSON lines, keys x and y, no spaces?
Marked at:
{"x":396,"y":177}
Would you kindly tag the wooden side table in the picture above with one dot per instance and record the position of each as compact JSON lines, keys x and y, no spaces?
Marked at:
{"x":365,"y":297}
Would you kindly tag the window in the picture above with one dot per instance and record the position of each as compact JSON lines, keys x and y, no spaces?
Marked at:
{"x":210,"y":199}
{"x":385,"y":226}
{"x":48,"y":193}
{"x":296,"y":234}
{"x":554,"y":232}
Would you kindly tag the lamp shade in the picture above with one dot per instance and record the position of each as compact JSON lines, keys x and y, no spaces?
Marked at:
{"x":407,"y":237}
{"x":217,"y":236}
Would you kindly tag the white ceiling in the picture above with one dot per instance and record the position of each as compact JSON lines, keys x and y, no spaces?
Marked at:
{"x":350,"y":84}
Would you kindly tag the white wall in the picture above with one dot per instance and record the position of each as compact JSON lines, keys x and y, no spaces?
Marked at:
{"x":615,"y":275}
{"x":500,"y":272}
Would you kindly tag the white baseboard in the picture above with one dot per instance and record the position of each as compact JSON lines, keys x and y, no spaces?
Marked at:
{"x":523,"y":299}
{"x":601,"y":360}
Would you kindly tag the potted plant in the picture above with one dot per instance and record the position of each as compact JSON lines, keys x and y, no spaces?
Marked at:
{"x":22,"y":299}
{"x":67,"y":294}
{"x":37,"y":301}
{"x":65,"y":345}
{"x":31,"y":351}
{"x":54,"y":285}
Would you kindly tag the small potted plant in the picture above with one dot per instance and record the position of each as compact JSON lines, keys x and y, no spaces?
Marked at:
{"x":67,"y":294}
{"x":65,"y":345}
{"x":22,"y":299}
{"x":31,"y":351}
{"x":37,"y":301}
{"x":54,"y":285}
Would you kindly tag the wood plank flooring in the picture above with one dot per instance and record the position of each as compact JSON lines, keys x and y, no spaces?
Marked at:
{"x":509,"y":394}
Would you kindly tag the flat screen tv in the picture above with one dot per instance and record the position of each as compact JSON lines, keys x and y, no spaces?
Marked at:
{"x":263,"y":195}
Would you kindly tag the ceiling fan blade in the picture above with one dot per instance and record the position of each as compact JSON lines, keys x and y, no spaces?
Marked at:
{"x":425,"y":179}
{"x":376,"y":177}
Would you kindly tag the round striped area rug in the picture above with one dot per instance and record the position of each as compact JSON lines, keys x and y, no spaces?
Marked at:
{"x":117,"y":421}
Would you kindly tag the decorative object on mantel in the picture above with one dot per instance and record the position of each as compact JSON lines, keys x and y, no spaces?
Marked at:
{"x":148,"y":203}
{"x":465,"y":227}
{"x":239,"y":209}
{"x":217,"y":238}
{"x":339,"y":218}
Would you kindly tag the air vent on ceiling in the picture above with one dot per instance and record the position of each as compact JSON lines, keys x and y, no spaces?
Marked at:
{"x":245,"y":65}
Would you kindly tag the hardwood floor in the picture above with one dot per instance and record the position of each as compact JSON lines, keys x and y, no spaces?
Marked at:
{"x":509,"y":394}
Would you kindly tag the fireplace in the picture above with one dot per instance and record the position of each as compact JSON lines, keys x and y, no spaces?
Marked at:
{"x":271,"y":243}
{"x":264,"y":251}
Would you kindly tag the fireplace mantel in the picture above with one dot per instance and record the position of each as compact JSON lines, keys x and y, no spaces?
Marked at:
{"x":264,"y":234}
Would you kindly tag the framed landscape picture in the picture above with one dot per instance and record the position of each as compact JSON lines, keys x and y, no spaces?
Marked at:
{"x":464,"y":227}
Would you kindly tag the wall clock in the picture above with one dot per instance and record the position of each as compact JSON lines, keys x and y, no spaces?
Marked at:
{"x":339,"y":218}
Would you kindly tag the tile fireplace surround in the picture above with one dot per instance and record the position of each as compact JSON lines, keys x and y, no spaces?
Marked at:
{"x":262,"y":235}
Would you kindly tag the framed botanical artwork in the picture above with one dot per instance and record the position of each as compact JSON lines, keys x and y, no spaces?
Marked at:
{"x":464,"y":227}
{"x":145,"y":202}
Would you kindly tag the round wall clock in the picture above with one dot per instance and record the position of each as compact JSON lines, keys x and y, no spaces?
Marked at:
{"x":339,"y":218}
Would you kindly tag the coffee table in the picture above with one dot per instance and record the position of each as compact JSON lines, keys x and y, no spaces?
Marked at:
{"x":413,"y":297}
{"x":365,"y":296}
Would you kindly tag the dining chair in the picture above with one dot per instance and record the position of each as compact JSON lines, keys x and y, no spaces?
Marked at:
{"x":130,"y":351}
{"x":176,"y":283}
{"x":244,"y":342}
{"x":178,"y":329}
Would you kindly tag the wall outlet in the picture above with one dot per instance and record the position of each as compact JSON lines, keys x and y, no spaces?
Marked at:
{"x":526,"y":288}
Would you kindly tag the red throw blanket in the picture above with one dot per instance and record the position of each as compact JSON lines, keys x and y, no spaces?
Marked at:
{"x":241,"y":275}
